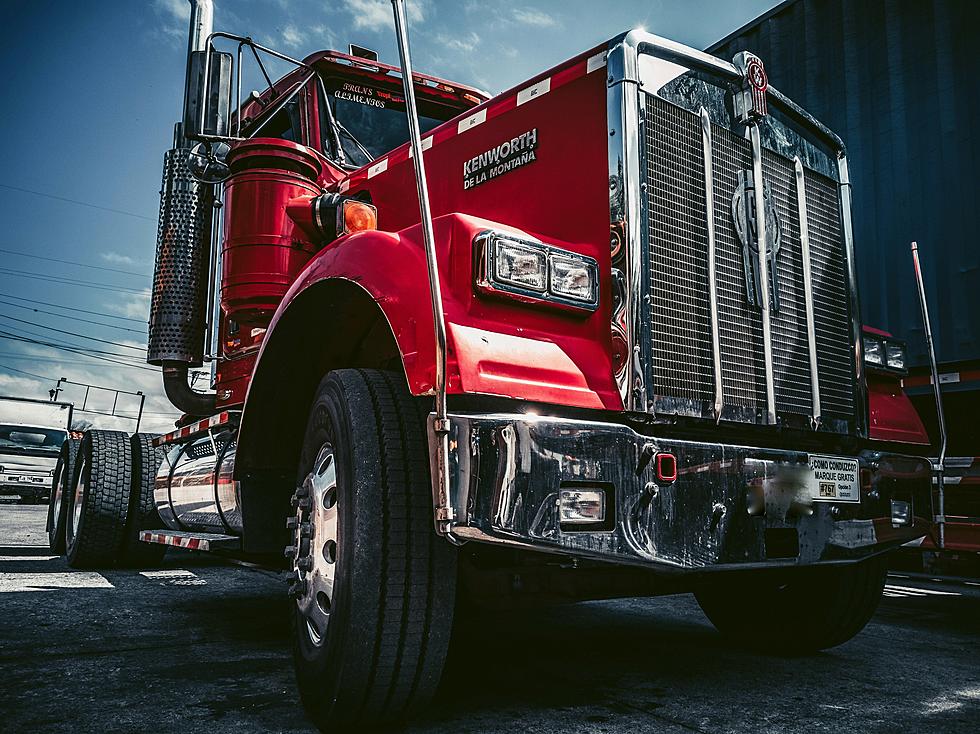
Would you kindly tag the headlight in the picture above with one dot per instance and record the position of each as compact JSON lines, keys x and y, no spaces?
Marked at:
{"x":573,"y":278}
{"x":534,"y":272}
{"x":520,"y":265}
{"x":895,"y":355}
{"x":874,"y":351}
{"x":885,"y":353}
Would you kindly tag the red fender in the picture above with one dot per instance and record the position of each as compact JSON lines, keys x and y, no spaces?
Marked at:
{"x":497,"y":346}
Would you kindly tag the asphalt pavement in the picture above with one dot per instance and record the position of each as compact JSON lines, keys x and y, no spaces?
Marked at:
{"x":202,"y":646}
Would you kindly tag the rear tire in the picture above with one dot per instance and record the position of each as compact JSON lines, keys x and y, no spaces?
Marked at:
{"x":61,"y":486}
{"x":371,"y":633}
{"x":99,"y":504}
{"x":143,"y":513}
{"x":817,"y":609}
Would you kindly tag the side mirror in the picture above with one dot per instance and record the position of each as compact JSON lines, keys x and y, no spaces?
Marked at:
{"x":217,"y":106}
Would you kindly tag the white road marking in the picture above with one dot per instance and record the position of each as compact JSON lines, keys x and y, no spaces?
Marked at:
{"x":175,"y":577}
{"x":906,"y":590}
{"x":11,"y":582}
{"x":27,"y":558}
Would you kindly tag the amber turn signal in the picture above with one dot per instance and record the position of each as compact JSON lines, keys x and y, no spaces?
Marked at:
{"x":356,"y":216}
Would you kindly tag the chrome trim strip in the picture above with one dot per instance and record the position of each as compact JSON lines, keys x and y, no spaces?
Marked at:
{"x":860,"y":384}
{"x":709,"y":201}
{"x":760,"y":223}
{"x":811,"y":338}
{"x":624,"y":119}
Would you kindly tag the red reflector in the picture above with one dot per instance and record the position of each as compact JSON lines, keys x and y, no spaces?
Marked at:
{"x":666,"y":467}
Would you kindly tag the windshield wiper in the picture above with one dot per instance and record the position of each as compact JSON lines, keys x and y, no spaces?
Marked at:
{"x":354,"y":140}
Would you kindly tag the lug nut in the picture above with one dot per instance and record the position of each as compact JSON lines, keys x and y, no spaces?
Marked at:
{"x":291,"y":523}
{"x":305,"y":531}
{"x":305,"y":504}
{"x":305,"y":564}
{"x":290,"y":551}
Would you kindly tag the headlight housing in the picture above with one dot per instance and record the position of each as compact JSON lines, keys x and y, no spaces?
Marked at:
{"x":534,"y":272}
{"x":885,"y":353}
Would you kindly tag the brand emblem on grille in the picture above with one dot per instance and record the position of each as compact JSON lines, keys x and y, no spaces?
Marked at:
{"x":750,"y":99}
{"x":746,"y":227}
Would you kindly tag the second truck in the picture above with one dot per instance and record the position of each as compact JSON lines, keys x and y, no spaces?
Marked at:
{"x":608,"y":346}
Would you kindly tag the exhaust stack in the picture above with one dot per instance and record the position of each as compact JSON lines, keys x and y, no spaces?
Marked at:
{"x":178,"y":306}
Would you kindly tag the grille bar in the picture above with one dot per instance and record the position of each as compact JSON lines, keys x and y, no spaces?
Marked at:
{"x":709,"y":196}
{"x":760,"y":224}
{"x":811,"y":339}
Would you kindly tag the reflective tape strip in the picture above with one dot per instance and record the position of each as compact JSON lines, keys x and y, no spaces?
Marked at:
{"x":426,"y":144}
{"x":595,"y":62}
{"x":468,"y":123}
{"x":379,"y":167}
{"x":534,"y":91}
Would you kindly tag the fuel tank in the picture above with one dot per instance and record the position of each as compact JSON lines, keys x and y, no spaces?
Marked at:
{"x":194,"y":487}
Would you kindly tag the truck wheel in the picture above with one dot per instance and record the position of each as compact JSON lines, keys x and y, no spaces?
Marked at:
{"x":99,"y":503}
{"x":818,"y":608}
{"x":61,"y":485}
{"x":374,"y":586}
{"x":143,"y":513}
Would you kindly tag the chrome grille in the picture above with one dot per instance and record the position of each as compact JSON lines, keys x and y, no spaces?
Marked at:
{"x":681,"y":369}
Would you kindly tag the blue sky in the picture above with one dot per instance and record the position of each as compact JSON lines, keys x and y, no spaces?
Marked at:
{"x":92,"y":92}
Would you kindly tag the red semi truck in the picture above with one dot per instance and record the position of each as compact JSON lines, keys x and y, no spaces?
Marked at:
{"x":627,"y":361}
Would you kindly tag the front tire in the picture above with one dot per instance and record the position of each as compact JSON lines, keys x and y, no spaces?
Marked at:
{"x":61,"y":486}
{"x":374,"y":585}
{"x":99,"y":503}
{"x":818,"y":608}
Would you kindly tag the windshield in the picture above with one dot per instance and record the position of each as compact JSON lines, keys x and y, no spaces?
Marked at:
{"x":31,"y":438}
{"x":371,"y":119}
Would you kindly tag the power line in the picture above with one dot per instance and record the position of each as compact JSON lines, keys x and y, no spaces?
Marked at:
{"x":21,"y":331}
{"x":75,"y":308}
{"x":70,"y":281}
{"x":74,"y":318}
{"x":29,"y":374}
{"x":50,"y":258}
{"x":93,"y":354}
{"x":71,"y":333}
{"x":76,"y":201}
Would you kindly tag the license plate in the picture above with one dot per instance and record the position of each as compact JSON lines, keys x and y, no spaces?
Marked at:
{"x":833,"y":479}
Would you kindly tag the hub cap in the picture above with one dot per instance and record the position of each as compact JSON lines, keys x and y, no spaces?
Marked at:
{"x":313,"y":554}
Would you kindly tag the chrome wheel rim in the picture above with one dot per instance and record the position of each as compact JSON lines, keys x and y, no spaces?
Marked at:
{"x":76,"y":505}
{"x":315,"y":544}
{"x":56,"y":496}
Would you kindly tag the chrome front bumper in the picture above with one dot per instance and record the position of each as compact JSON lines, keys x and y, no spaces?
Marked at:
{"x":729,"y":504}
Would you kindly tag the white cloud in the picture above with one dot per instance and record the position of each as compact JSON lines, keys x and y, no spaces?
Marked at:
{"x":464,"y":43}
{"x":116,"y":258}
{"x":176,"y":10}
{"x":131,"y":305}
{"x":376,"y":15}
{"x":532,"y":17}
{"x":292,"y":37}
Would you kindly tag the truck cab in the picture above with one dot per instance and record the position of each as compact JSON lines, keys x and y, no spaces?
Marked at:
{"x":31,"y":435}
{"x":594,"y":336}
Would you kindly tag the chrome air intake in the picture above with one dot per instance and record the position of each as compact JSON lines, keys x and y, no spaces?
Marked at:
{"x":178,"y":304}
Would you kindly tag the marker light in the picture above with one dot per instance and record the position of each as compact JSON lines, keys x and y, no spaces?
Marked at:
{"x":582,"y":506}
{"x":356,"y":216}
{"x":665,"y":466}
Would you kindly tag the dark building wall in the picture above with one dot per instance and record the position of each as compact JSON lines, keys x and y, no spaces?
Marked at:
{"x":899,"y":81}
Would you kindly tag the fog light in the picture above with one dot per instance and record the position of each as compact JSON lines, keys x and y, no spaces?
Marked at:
{"x":582,"y":506}
{"x":901,"y":513}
